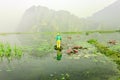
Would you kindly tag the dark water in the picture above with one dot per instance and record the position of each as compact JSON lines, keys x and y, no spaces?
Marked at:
{"x":84,"y":66}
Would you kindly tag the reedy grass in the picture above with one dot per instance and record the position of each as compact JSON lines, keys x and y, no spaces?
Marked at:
{"x":9,"y":52}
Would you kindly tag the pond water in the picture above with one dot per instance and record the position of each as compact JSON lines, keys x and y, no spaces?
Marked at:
{"x":83,"y":66}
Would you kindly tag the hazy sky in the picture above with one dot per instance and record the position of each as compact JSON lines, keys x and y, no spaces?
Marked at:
{"x":11,"y":11}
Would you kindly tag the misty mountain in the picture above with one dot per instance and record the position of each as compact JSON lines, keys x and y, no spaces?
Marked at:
{"x":37,"y":19}
{"x":40,"y":19}
{"x":109,"y":17}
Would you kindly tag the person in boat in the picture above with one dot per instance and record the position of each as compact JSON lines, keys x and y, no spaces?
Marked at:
{"x":58,"y":40}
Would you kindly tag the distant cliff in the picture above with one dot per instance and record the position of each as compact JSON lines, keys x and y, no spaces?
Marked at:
{"x":39,"y":19}
{"x":109,"y":16}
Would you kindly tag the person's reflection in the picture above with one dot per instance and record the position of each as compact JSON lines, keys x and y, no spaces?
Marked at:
{"x":59,"y":55}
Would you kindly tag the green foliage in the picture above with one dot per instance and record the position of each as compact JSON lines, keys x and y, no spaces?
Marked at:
{"x":17,"y":51}
{"x":42,"y":49}
{"x":87,"y":33}
{"x":115,"y":48}
{"x":108,"y":52}
{"x":8,"y":51}
{"x":105,"y":50}
{"x":92,"y":41}
{"x":118,"y":62}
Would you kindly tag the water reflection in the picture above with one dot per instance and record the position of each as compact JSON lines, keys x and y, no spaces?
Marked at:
{"x":59,"y":55}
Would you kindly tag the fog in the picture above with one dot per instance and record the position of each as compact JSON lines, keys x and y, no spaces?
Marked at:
{"x":11,"y":11}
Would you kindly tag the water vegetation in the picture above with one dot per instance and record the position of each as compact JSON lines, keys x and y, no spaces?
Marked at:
{"x":80,"y":32}
{"x":8,"y":51}
{"x":42,"y":49}
{"x":115,"y":48}
{"x":109,"y":52}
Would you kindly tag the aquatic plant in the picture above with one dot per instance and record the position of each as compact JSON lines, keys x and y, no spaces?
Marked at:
{"x":17,"y":51}
{"x":92,"y":41}
{"x":7,"y":51}
{"x":114,"y":55}
{"x":42,"y":49}
{"x":87,"y":33}
{"x":115,"y":47}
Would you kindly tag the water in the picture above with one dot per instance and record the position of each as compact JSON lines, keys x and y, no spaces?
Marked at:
{"x":84,"y":66}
